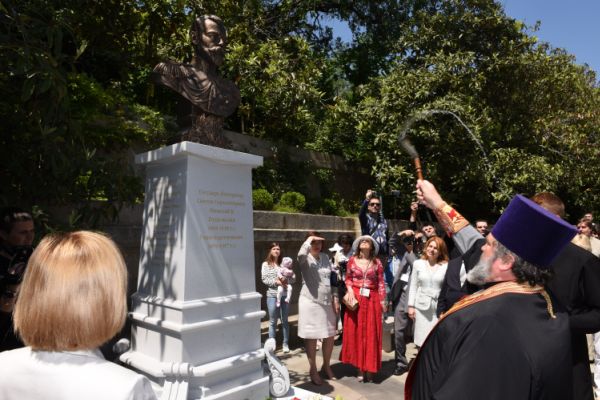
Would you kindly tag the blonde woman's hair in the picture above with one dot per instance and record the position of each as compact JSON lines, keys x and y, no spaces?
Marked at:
{"x":74,"y":293}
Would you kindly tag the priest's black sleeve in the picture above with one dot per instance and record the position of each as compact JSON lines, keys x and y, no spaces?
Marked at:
{"x":483,"y":361}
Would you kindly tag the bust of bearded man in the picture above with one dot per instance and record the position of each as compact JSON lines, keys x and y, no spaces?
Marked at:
{"x":213,"y":98}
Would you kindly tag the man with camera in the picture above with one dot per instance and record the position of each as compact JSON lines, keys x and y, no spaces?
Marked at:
{"x":373,"y":223}
{"x":16,"y":240}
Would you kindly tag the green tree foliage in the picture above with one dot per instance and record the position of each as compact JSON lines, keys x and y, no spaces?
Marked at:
{"x":68,"y":127}
{"x":77,"y":101}
{"x":280,"y":90}
{"x":534,"y":112}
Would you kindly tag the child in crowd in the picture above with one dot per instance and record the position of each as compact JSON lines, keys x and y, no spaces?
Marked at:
{"x":285,"y":272}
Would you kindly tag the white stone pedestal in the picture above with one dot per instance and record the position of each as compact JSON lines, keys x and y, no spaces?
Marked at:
{"x":196,"y":314}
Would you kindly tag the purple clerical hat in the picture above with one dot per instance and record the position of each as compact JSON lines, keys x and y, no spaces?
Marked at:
{"x":532,"y":232}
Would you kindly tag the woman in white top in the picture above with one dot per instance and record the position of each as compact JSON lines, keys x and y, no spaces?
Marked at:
{"x":269,"y":277}
{"x":425,"y":285}
{"x":72,"y":300}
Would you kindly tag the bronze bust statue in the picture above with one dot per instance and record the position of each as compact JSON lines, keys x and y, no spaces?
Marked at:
{"x":213,"y":98}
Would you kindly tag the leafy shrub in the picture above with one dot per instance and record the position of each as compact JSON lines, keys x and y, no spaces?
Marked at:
{"x":262,"y":200}
{"x":291,"y":202}
{"x":329,"y":207}
{"x":334,"y":207}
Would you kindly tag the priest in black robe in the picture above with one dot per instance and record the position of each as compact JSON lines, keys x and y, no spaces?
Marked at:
{"x":508,"y":341}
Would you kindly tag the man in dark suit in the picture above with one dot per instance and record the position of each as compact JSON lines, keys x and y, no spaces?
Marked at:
{"x":398,"y":276}
{"x":576,"y":285}
{"x":16,"y":239}
{"x":455,"y":284}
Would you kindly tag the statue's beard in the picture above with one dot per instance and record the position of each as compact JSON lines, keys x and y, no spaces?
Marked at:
{"x":215,"y":54}
{"x":481,"y":272}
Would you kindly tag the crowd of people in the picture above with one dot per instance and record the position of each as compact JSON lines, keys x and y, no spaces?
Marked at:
{"x":423,"y":274}
{"x":458,"y":291}
{"x":404,"y":273}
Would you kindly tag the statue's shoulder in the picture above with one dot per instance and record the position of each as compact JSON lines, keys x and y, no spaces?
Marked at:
{"x":173,"y":69}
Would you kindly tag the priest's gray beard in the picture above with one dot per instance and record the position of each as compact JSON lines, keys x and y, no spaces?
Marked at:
{"x":481,"y":272}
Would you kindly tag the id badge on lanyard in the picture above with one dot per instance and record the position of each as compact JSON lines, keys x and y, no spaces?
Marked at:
{"x":365,"y":292}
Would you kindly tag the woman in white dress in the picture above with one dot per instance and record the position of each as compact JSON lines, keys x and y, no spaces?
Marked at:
{"x":425,"y":285}
{"x":72,"y":300}
{"x":318,"y":305}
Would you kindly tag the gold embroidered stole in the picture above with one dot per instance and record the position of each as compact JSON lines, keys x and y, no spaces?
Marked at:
{"x":496,"y":290}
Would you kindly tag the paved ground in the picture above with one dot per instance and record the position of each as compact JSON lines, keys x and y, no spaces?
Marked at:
{"x":385,"y":384}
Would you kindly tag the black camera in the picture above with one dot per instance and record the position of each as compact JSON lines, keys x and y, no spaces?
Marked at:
{"x":343,"y":265}
{"x":408,"y":239}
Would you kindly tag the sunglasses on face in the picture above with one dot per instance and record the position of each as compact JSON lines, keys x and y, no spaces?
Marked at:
{"x":375,"y":204}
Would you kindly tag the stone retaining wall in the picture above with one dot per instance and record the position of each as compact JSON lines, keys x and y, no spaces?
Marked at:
{"x":350,"y":180}
{"x":286,"y":229}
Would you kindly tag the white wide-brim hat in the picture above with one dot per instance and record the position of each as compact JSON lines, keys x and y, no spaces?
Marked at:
{"x":336,"y":247}
{"x":365,"y":237}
